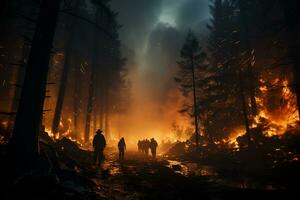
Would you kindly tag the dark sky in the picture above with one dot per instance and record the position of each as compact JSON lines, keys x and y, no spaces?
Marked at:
{"x":140,"y":17}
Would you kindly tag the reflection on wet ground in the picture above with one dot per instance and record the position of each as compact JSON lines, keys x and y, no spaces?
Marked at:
{"x":196,"y":169}
{"x":112,"y":167}
{"x":191,"y":168}
{"x":127,"y":179}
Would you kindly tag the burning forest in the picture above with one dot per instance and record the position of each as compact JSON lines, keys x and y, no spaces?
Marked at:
{"x":139,"y":99}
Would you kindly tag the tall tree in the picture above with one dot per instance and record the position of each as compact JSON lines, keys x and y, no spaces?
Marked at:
{"x":91,"y":90}
{"x":224,"y":93}
{"x":70,"y":41}
{"x":190,"y":55}
{"x":24,"y":141}
{"x":292,"y":18}
{"x":103,"y":16}
{"x":247,"y":50}
{"x":18,"y":81}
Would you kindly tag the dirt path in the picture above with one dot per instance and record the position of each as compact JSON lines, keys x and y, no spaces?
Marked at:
{"x":136,"y":178}
{"x":139,"y":177}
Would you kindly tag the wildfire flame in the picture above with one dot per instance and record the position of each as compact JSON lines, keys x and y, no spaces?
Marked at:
{"x":280,"y":117}
{"x":65,"y":130}
{"x":234,"y":135}
{"x":284,"y":116}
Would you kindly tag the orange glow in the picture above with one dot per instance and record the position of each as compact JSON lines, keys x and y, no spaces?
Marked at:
{"x":64,"y":131}
{"x":234,"y":135}
{"x":281,"y":117}
{"x":4,"y":124}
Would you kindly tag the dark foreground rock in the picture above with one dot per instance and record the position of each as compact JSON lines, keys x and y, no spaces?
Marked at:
{"x":63,"y":171}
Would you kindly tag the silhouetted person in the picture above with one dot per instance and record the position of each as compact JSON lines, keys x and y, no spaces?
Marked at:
{"x":147,"y":146}
{"x":143,"y":146}
{"x":99,"y":143}
{"x":122,"y":148}
{"x":153,"y":147}
{"x":139,"y":144}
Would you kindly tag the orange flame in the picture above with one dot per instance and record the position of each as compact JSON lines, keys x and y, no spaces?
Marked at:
{"x":279,"y":119}
{"x":283,"y":116}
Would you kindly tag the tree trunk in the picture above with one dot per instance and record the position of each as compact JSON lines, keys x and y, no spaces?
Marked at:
{"x":24,"y":141}
{"x":291,"y":8}
{"x":89,"y":108}
{"x":195,"y":103}
{"x":95,"y":121}
{"x":295,"y":54}
{"x":106,"y":110}
{"x":91,"y":94}
{"x":63,"y":80}
{"x":101,"y":101}
{"x":66,"y":69}
{"x":76,"y":99}
{"x":244,"y":107}
{"x":247,"y":49}
{"x":3,"y":16}
{"x":106,"y":119}
{"x":62,"y":87}
{"x":19,"y":80}
{"x":101,"y":111}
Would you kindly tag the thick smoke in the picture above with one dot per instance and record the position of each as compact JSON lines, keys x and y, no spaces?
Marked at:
{"x":137,"y":18}
{"x":192,"y":14}
{"x":155,"y":31}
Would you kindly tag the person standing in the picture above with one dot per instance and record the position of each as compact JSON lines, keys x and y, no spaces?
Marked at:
{"x":147,"y":146}
{"x":99,"y":143}
{"x":153,"y":147}
{"x":122,"y":148}
{"x":139,"y":144}
{"x":143,"y":146}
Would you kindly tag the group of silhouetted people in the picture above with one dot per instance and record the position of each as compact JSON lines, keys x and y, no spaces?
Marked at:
{"x":145,"y":145}
{"x":99,"y":144}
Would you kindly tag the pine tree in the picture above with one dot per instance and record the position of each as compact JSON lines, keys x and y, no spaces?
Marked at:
{"x":191,"y":57}
{"x":224,"y":101}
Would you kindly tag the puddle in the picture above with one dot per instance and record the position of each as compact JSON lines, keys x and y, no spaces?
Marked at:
{"x":191,"y":169}
{"x":114,"y":169}
{"x":111,"y":165}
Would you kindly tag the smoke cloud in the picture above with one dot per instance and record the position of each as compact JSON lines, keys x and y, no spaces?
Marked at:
{"x":155,"y":31}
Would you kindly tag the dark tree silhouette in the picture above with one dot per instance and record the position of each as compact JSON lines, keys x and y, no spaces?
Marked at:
{"x":190,"y":55}
{"x":24,"y":141}
{"x":292,"y":19}
{"x":225,"y":100}
{"x":246,"y":50}
{"x":69,"y":46}
{"x":91,"y":90}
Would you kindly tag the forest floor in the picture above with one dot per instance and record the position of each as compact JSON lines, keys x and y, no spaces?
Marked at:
{"x":139,"y":177}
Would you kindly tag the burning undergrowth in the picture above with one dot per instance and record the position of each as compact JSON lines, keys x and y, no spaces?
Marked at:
{"x":277,"y":111}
